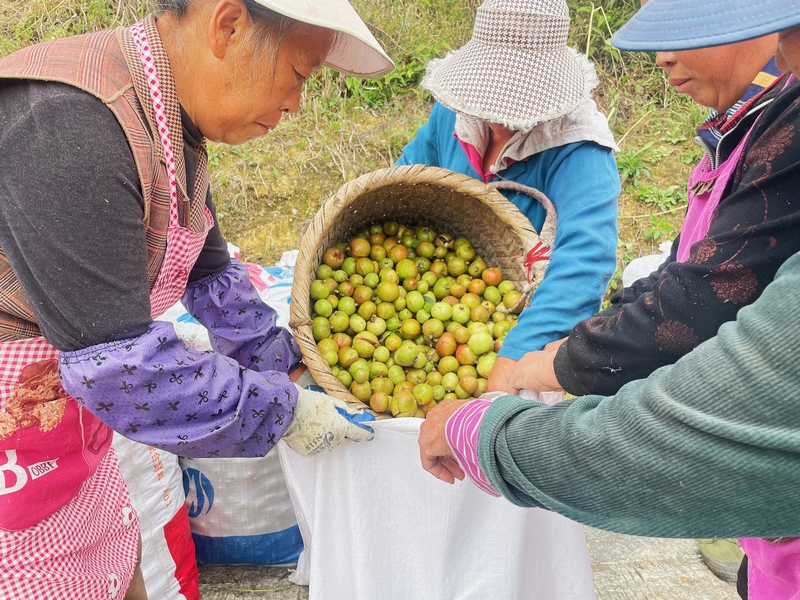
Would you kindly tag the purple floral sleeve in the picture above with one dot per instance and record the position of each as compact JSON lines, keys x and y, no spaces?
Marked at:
{"x":239,"y":323}
{"x":157,"y":391}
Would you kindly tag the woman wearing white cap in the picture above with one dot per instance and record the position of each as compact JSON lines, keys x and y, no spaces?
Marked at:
{"x":106,"y":220}
{"x":707,"y":447}
{"x":515,"y":105}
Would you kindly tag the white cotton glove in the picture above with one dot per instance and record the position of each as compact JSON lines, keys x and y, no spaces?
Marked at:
{"x":322,"y":422}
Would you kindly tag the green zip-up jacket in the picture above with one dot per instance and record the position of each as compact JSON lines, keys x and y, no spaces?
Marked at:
{"x":708,"y":446}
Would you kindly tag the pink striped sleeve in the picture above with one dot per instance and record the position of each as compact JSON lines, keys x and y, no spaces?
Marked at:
{"x":461,"y":431}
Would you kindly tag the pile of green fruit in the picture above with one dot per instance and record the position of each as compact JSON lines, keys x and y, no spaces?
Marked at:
{"x":407,"y":316}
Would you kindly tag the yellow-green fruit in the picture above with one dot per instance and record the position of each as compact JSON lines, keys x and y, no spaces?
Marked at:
{"x":468,"y":384}
{"x":379,"y":402}
{"x":423,"y":393}
{"x":320,"y":328}
{"x":362,"y":391}
{"x":403,"y":404}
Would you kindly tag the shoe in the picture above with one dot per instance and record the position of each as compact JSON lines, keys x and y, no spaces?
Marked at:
{"x":722,"y":556}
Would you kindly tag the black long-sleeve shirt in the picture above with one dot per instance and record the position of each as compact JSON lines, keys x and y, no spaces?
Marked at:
{"x":755,"y":228}
{"x":57,"y":141}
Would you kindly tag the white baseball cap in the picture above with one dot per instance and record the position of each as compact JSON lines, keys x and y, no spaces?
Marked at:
{"x":357,"y":52}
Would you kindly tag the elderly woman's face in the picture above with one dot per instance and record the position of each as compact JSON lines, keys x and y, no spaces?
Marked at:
{"x":788,"y":55}
{"x":716,"y":77}
{"x":261,"y":88}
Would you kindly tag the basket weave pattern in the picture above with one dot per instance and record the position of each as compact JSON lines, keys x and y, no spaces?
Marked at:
{"x":412,"y":195}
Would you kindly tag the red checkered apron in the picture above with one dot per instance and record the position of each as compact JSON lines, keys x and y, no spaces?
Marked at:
{"x":67,"y":529}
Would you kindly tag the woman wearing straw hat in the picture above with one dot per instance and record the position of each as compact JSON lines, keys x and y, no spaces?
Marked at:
{"x":709,"y":446}
{"x":107,"y":221}
{"x":514,"y":105}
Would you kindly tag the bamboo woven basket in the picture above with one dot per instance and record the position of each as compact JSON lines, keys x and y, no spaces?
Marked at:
{"x":412,"y":195}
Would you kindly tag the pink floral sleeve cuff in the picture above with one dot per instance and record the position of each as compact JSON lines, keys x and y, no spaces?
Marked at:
{"x":461,"y":431}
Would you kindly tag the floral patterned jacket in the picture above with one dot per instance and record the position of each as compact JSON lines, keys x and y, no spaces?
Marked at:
{"x":755,"y":228}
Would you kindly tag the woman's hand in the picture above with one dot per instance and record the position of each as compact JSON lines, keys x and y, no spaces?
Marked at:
{"x":434,"y":451}
{"x":535,"y":372}
{"x":501,"y":375}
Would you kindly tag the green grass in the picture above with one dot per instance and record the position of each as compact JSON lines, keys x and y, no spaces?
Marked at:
{"x":268,"y":190}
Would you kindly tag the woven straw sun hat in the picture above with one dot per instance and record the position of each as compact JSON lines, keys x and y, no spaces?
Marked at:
{"x":689,"y":24}
{"x":357,"y":52}
{"x":517,"y":69}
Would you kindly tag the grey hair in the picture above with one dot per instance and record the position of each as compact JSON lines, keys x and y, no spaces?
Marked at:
{"x":270,"y":27}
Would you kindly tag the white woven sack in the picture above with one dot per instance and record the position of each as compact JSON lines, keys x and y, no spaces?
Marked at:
{"x":376,"y":525}
{"x":240,"y":511}
{"x":154,"y":480}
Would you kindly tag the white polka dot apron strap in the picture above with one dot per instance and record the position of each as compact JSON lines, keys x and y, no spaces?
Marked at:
{"x":148,"y":64}
{"x":183,"y":244}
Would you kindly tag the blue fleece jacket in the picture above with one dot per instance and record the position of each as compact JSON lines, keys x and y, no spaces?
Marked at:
{"x":582,"y":181}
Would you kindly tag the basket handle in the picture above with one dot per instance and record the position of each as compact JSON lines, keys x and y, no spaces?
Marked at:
{"x":537,"y":255}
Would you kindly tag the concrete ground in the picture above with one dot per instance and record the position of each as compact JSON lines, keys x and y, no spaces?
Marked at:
{"x":625,"y":568}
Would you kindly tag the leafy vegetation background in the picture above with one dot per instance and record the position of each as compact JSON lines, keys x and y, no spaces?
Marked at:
{"x":268,"y":190}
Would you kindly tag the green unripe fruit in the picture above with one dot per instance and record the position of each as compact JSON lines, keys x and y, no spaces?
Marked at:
{"x":385,"y":310}
{"x":387,"y":291}
{"x":448,"y":364}
{"x":403,"y":404}
{"x":361,"y":390}
{"x":371,"y":280}
{"x":323,"y":307}
{"x":360,"y":363}
{"x":347,"y":356}
{"x":396,"y":374}
{"x":442,"y":287}
{"x":481,"y":342}
{"x":492,"y":294}
{"x":456,"y":266}
{"x":361,"y":375}
{"x":460,"y":393}
{"x":406,"y":268}
{"x":415,"y":301}
{"x":357,"y":323}
{"x":450,"y":381}
{"x":485,"y":364}
{"x":349,"y":265}
{"x":423,"y":393}
{"x":319,"y":289}
{"x":344,"y":378}
{"x":320,"y":328}
{"x":324,"y":271}
{"x":376,"y":325}
{"x":405,"y":354}
{"x":506,"y":286}
{"x":381,"y":354}
{"x":339,"y":321}
{"x":434,"y":378}
{"x":367,"y":309}
{"x":347,"y":305}
{"x":432,"y":329}
{"x":410,"y":329}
